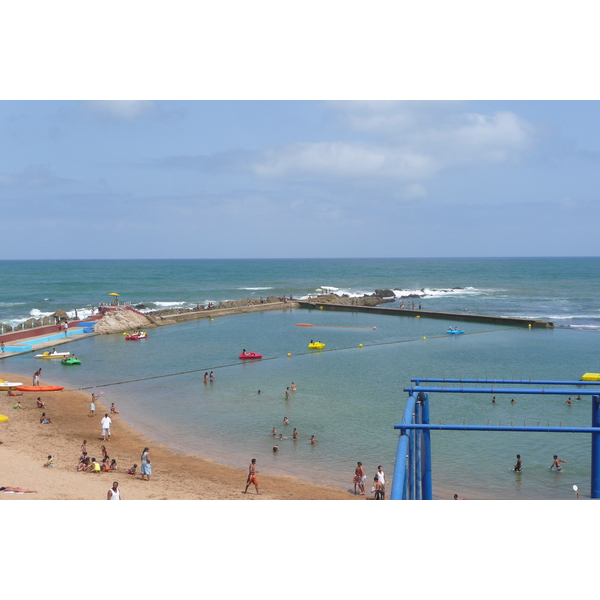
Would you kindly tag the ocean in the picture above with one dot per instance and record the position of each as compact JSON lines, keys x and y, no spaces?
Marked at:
{"x":349,"y":397}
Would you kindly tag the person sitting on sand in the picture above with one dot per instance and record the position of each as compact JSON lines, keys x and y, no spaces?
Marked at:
{"x":132,"y":470}
{"x":41,"y":403}
{"x":44,"y":420}
{"x":12,"y":393}
{"x":113,"y":464}
{"x":106,"y":464}
{"x":49,"y":462}
{"x":16,"y":490}
{"x":113,"y":409}
{"x":17,"y":405}
{"x":83,"y":456}
{"x":95,"y":466}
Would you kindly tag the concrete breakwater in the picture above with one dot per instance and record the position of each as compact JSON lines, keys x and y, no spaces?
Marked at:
{"x":315,"y":303}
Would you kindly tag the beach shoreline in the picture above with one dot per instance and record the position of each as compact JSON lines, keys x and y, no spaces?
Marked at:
{"x":176,"y":476}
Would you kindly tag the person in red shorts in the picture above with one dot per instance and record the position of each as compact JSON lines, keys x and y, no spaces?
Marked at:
{"x":252,"y":472}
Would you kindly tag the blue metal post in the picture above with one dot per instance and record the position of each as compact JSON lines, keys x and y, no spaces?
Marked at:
{"x":427,"y":486}
{"x":418,"y":436}
{"x":595,"y":474}
{"x":400,"y":477}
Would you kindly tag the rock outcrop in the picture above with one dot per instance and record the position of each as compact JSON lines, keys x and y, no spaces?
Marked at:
{"x":117,"y":321}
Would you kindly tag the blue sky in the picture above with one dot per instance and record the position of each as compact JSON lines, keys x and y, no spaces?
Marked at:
{"x":223,"y":179}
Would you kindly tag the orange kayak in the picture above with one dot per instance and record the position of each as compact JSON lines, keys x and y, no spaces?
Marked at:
{"x":40,"y":388}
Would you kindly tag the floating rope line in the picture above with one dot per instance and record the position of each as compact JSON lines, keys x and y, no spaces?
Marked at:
{"x":338,"y":326}
{"x":89,"y":387}
{"x":237,"y":364}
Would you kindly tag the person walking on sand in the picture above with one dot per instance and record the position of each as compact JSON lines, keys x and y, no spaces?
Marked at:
{"x":93,"y":405}
{"x":519,"y":464}
{"x":36,"y":377}
{"x":146,"y":464}
{"x":359,"y":479}
{"x":556,"y":463}
{"x":252,"y":472}
{"x":106,"y":421}
{"x":114,"y":493}
{"x":381,"y":476}
{"x":378,"y":489}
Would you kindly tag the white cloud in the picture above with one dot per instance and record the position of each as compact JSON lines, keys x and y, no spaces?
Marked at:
{"x":120,"y":109}
{"x":333,"y":160}
{"x":33,"y":176}
{"x":403,"y":141}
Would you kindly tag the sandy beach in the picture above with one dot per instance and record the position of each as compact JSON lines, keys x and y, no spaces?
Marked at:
{"x":26,"y":445}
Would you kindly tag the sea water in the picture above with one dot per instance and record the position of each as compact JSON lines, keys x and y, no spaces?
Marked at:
{"x":349,"y":397}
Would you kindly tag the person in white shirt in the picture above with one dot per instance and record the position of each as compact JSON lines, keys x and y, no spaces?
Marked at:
{"x":382,"y":479}
{"x":114,"y":493}
{"x":106,"y":421}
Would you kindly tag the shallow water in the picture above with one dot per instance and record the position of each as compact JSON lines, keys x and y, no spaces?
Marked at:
{"x":348,"y":397}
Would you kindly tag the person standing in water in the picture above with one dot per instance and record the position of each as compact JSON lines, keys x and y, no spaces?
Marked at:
{"x":519,"y":464}
{"x":556,"y":463}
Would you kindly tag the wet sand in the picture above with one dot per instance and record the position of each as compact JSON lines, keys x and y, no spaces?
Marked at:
{"x":26,"y":444}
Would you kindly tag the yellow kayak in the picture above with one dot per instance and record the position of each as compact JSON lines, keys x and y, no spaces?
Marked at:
{"x":591,"y":377}
{"x":3,"y":418}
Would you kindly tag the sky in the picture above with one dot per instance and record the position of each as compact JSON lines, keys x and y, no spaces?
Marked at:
{"x":307,"y":178}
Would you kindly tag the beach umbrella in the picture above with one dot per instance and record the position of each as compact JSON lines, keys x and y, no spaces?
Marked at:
{"x":112,"y":294}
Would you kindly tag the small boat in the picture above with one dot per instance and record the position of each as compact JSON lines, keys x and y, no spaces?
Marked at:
{"x":142,"y":335}
{"x":60,"y":355}
{"x":455,"y":331}
{"x":5,"y":385}
{"x":316,"y":346}
{"x":70,"y":361}
{"x":590,"y":377}
{"x":249,"y":355}
{"x":40,"y":388}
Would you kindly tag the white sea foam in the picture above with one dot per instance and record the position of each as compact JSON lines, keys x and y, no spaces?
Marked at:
{"x":556,"y":317}
{"x":167,"y":304}
{"x":433,"y":293}
{"x":38,"y":314}
{"x":255,"y":288}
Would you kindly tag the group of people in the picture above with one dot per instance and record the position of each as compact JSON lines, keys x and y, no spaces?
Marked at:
{"x":379,"y":482}
{"x":209,"y":377}
{"x":409,"y":305}
{"x":556,"y":464}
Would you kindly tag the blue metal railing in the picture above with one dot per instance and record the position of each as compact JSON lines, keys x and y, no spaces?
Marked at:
{"x":412,"y":479}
